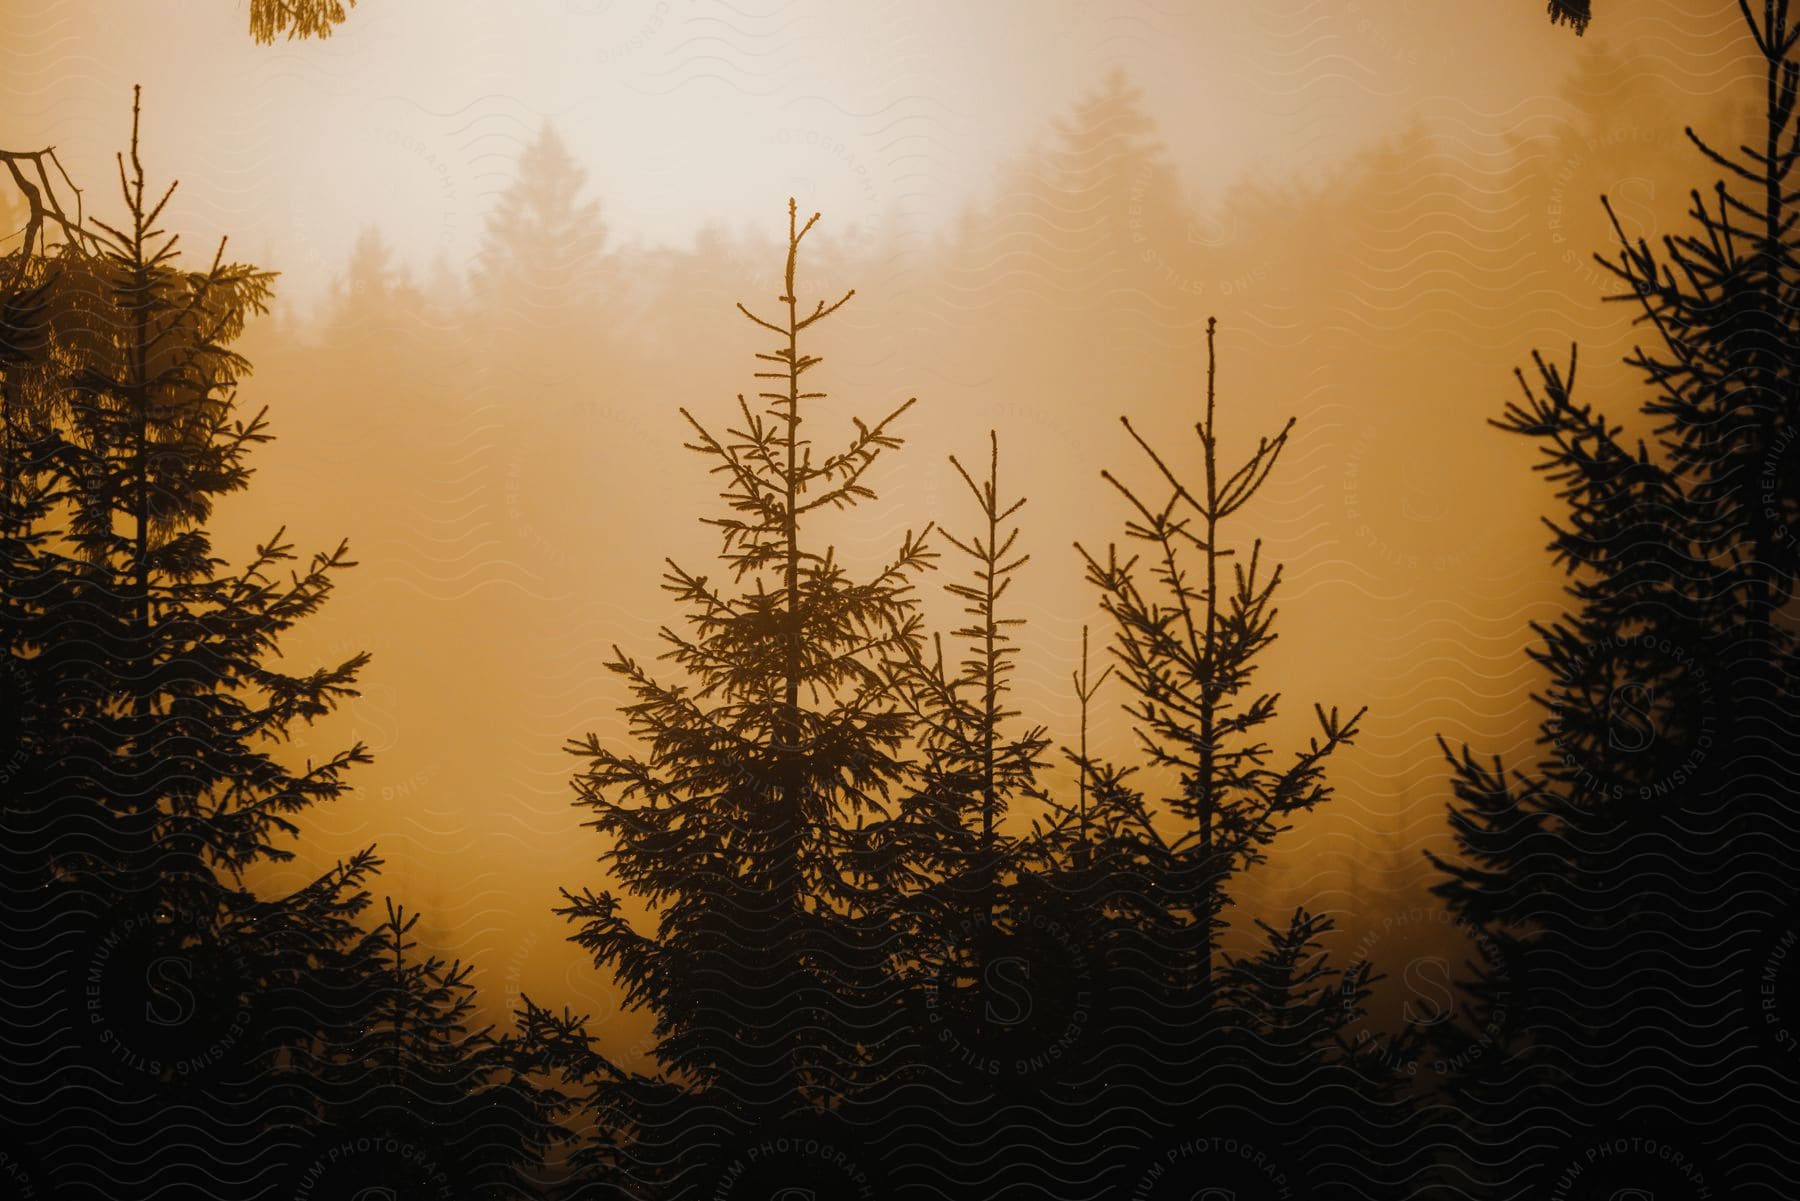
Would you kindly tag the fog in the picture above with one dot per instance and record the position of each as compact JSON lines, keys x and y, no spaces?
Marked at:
{"x":511,"y":238}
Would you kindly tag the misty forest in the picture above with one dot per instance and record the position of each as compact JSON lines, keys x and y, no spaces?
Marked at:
{"x":1153,"y":685}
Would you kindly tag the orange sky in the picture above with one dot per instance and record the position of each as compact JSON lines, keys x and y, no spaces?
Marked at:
{"x":689,"y":111}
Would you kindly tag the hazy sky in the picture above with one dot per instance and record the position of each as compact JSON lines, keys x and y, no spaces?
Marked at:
{"x":689,"y":111}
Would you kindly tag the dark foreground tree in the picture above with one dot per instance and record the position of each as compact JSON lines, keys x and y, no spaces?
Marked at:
{"x":168,"y":1029}
{"x":996,"y":973}
{"x":972,"y":767}
{"x":745,"y":822}
{"x":1190,"y":623}
{"x":1257,"y":1047}
{"x":446,"y":1109}
{"x":1630,"y":891}
{"x":148,"y":779}
{"x":1577,"y":13}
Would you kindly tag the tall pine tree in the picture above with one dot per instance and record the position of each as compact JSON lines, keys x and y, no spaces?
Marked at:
{"x":1627,"y":887}
{"x":1186,"y":638}
{"x":149,"y":776}
{"x":169,"y":1029}
{"x":1255,"y":1048}
{"x":997,"y":976}
{"x":744,"y":822}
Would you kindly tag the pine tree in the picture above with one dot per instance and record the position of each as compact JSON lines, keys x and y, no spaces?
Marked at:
{"x":543,"y":242}
{"x":949,"y":828}
{"x":169,"y":1029}
{"x":1097,"y":207}
{"x":745,"y":821}
{"x":1256,"y":1046}
{"x":1186,"y":639}
{"x":1289,"y":999}
{"x":1649,"y":840}
{"x":971,"y":769}
{"x":1112,"y":178}
{"x":991,"y":970}
{"x":372,"y":292}
{"x":147,"y":782}
{"x":414,"y":1074}
{"x":296,"y":18}
{"x":539,"y":286}
{"x":1577,"y":13}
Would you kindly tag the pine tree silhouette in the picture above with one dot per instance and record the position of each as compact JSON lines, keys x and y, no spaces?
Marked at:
{"x":998,"y":978}
{"x":744,"y":821}
{"x":168,"y":1028}
{"x":539,"y":285}
{"x":414,"y":1075}
{"x":296,"y":18}
{"x":1185,"y":641}
{"x":1577,"y":13}
{"x":148,"y":782}
{"x":1648,"y":842}
{"x":972,"y":769}
{"x":1255,"y":1047}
